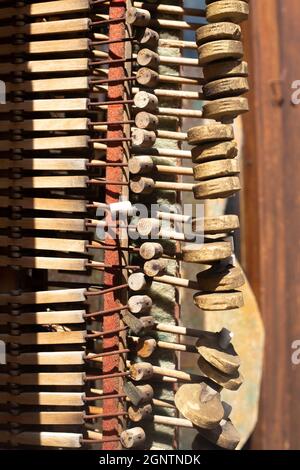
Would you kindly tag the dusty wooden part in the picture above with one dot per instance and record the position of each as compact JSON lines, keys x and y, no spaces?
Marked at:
{"x":50,"y":244}
{"x":144,"y":346}
{"x":232,"y":86}
{"x":228,"y":68}
{"x":176,"y":375}
{"x":228,"y":381}
{"x":154,"y":6}
{"x":212,"y":1}
{"x":132,"y":438}
{"x":217,"y":188}
{"x":143,"y":138}
{"x":154,"y":267}
{"x":44,"y":398}
{"x":139,"y":303}
{"x":166,"y":42}
{"x":36,"y":203}
{"x":220,"y":50}
{"x":133,"y":323}
{"x":172,"y":93}
{"x":146,"y":101}
{"x":221,"y":278}
{"x":36,"y":223}
{"x":149,"y":38}
{"x":230,"y":10}
{"x":165,"y":151}
{"x":217,"y":31}
{"x":214,"y":151}
{"x":44,"y":318}
{"x":45,"y":378}
{"x":47,"y":439}
{"x":48,"y":358}
{"x":150,"y":78}
{"x":162,"y":24}
{"x":147,"y":77}
{"x":224,"y":435}
{"x":43,"y":297}
{"x":150,"y":250}
{"x":219,"y":300}
{"x":164,"y":134}
{"x":138,"y":16}
{"x":144,"y":120}
{"x":53,"y":337}
{"x":142,"y":185}
{"x":141,"y":165}
{"x":46,"y":66}
{"x":183,"y":80}
{"x":216,"y":169}
{"x":170,"y":421}
{"x":34,"y":125}
{"x":145,"y":164}
{"x":225,"y":108}
{"x":173,"y":215}
{"x":70,"y":164}
{"x":43,"y":418}
{"x":207,"y":252}
{"x":40,"y":182}
{"x":148,"y":58}
{"x":219,"y":224}
{"x":50,"y":85}
{"x":200,"y":404}
{"x":141,"y":371}
{"x":47,"y":47}
{"x":137,"y":282}
{"x":138,"y":394}
{"x":50,"y":27}
{"x":46,"y":143}
{"x":176,"y":281}
{"x":210,"y":133}
{"x":181,"y":330}
{"x":179,"y":112}
{"x":47,"y":105}
{"x":47,"y":8}
{"x":226,"y":360}
{"x":137,"y":414}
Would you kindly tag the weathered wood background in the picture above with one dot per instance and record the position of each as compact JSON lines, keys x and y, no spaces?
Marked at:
{"x":270,"y":250}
